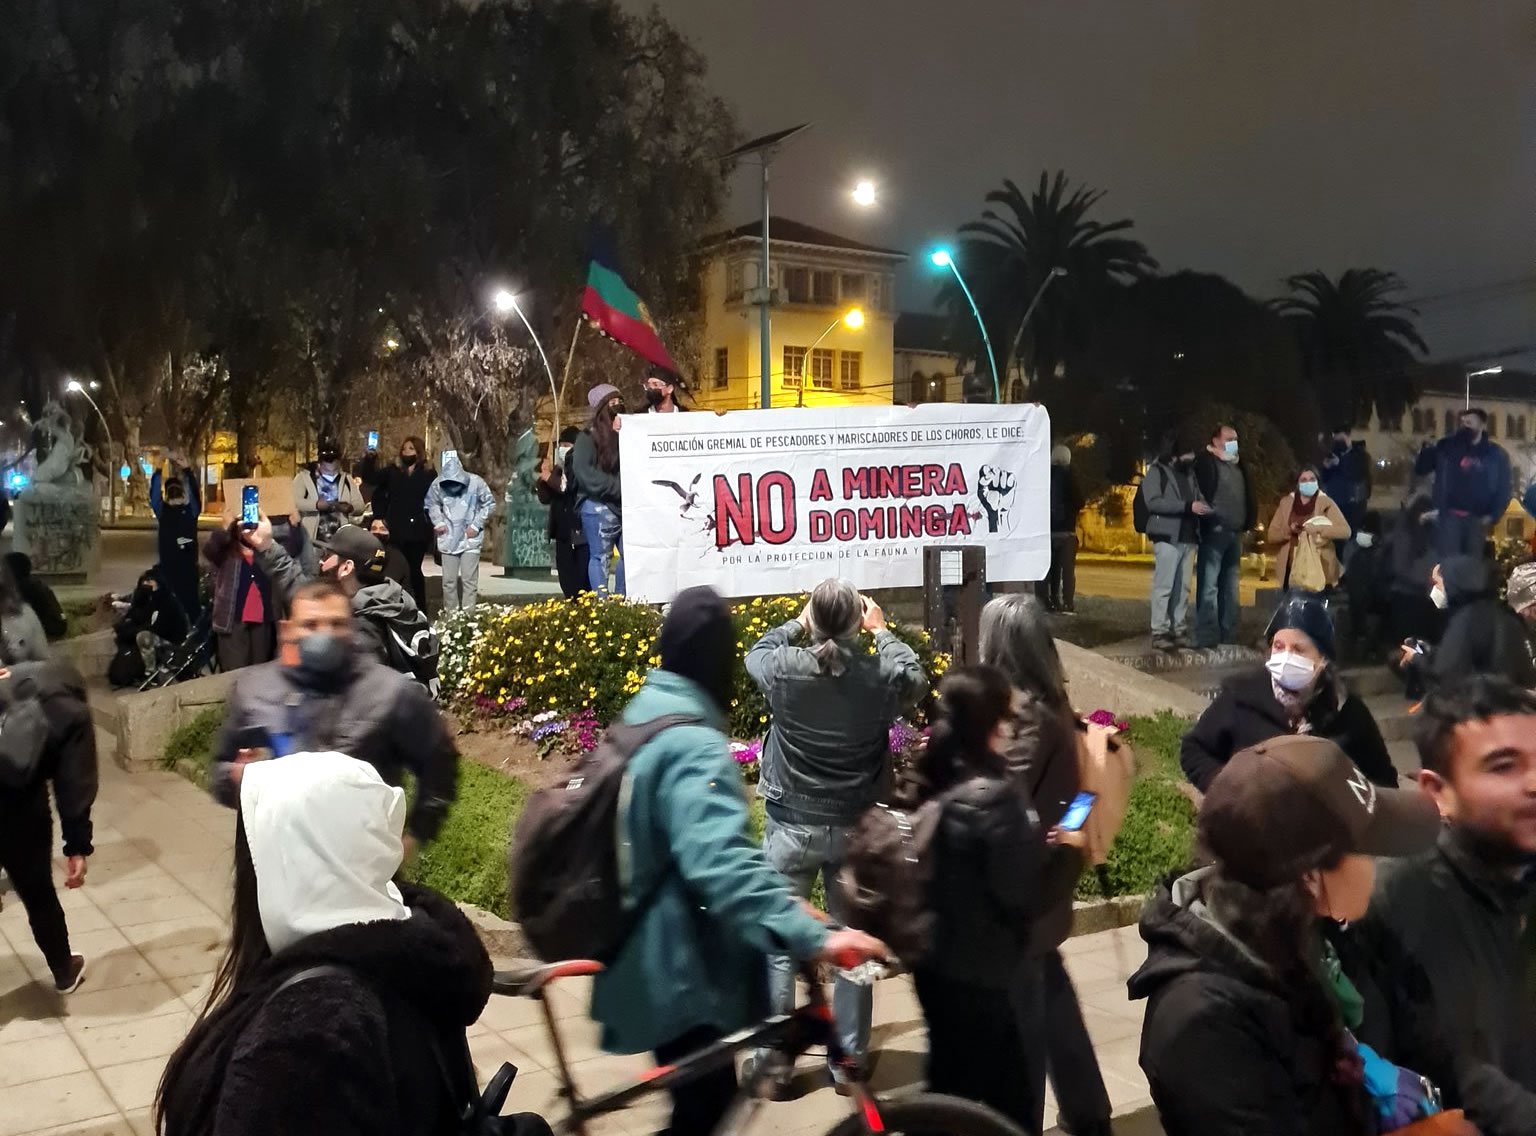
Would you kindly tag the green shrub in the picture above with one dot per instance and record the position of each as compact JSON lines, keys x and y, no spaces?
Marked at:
{"x":189,"y":749}
{"x":78,"y":615}
{"x":591,"y":653}
{"x":468,"y":860}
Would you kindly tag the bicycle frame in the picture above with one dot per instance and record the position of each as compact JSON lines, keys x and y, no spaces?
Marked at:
{"x":791,"y":1034}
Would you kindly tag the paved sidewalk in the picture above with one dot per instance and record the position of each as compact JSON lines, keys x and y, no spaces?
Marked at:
{"x":152,"y":918}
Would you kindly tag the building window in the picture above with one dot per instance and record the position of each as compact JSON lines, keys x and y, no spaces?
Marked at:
{"x":1450,"y":422}
{"x":1016,"y":391}
{"x":722,"y":367}
{"x":1520,"y":426}
{"x":794,"y":366}
{"x":821,"y":368}
{"x":1509,"y":426}
{"x":855,"y":286}
{"x":735,"y":278}
{"x":917,"y":388}
{"x":852,"y":369}
{"x":823,"y":287}
{"x":1418,"y":421}
{"x":877,"y":291}
{"x":1493,"y":425}
{"x":797,"y":285}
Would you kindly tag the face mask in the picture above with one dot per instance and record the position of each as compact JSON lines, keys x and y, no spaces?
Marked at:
{"x":1467,"y":434}
{"x":1231,"y":449}
{"x":1291,"y":671}
{"x":407,"y":460}
{"x":654,"y":396}
{"x":1365,"y":540}
{"x":1438,"y":597}
{"x":1307,"y":488}
{"x":327,"y":468}
{"x":562,"y":453}
{"x":454,"y":488}
{"x":322,"y":655}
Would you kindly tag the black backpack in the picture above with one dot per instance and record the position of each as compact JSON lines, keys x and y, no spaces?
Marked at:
{"x":413,"y":648}
{"x":567,"y":890}
{"x":1140,"y":514}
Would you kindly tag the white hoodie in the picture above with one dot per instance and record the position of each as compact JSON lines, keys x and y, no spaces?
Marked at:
{"x":324,"y":831}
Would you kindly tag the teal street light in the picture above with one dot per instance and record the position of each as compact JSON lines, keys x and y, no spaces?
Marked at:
{"x":943,"y":258}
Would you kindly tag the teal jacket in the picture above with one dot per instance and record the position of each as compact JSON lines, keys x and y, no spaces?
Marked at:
{"x":696,"y":956}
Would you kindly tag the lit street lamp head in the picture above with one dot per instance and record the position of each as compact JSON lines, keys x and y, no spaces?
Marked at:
{"x":864,"y":194}
{"x":854,"y":318}
{"x":73,"y":386}
{"x":941,"y":258}
{"x":504,"y":301}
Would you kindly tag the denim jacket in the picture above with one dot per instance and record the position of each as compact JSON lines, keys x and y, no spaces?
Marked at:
{"x":827,"y":747}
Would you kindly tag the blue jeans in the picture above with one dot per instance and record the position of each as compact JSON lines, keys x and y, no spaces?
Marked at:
{"x":604,"y":530}
{"x":1216,"y":566}
{"x":799,"y":852}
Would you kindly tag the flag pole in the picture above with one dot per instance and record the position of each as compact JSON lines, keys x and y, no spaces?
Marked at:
{"x":570,"y":357}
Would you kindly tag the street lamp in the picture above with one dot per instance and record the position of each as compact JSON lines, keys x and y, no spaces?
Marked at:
{"x":504,"y":302}
{"x":864,"y":194}
{"x":1029,"y":311}
{"x":853,"y":319}
{"x":943,"y":258}
{"x":1494,"y":370}
{"x":74,"y":387}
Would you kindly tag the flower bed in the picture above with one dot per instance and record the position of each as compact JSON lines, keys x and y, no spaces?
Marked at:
{"x":591,"y":655}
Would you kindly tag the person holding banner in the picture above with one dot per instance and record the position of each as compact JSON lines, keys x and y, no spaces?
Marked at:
{"x":825,"y":756}
{"x":599,"y":494}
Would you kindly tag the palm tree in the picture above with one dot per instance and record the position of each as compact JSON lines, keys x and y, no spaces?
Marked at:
{"x":1357,"y":341}
{"x":1009,"y":255}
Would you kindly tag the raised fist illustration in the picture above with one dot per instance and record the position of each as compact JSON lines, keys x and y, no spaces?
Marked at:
{"x":994,"y":489}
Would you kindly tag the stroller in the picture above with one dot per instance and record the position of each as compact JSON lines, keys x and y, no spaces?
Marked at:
{"x":192,"y":657}
{"x":158,"y":642}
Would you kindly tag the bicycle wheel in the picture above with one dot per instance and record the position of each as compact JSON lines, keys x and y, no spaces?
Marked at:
{"x":931,"y":1114}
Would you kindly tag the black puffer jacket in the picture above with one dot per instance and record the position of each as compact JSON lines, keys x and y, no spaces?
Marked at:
{"x":1246,"y":713}
{"x":343,"y":1054}
{"x":991,"y":882}
{"x":1219,"y":1043}
{"x":400,"y":496}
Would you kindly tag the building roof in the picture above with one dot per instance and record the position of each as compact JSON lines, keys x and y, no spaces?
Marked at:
{"x":798,"y":233}
{"x":922,"y":331}
{"x":1450,"y":379}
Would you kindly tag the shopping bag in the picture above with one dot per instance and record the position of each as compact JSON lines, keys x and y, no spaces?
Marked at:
{"x":1307,"y":572}
{"x":1106,"y":767}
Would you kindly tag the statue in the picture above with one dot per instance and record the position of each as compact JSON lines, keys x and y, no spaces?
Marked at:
{"x":527,"y":542}
{"x":58,"y":522}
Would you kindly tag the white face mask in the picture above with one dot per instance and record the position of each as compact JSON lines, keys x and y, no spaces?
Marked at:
{"x":561,"y":453}
{"x":1438,"y":597}
{"x":1365,"y":540}
{"x":1291,"y":671}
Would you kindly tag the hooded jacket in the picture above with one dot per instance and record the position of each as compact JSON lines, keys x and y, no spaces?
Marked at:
{"x":1246,"y":712}
{"x":1482,"y":635}
{"x":69,"y":760}
{"x":457,"y":502}
{"x":828,"y":746}
{"x":375,"y":714}
{"x":1219,"y":1042}
{"x":695,"y":956}
{"x":1470,"y":477}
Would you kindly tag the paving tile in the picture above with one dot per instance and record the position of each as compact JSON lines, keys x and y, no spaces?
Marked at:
{"x":115,"y":1043}
{"x":194,"y":929}
{"x":88,"y":1007}
{"x":192,"y":989}
{"x":133,"y":1083}
{"x":183,"y":906}
{"x":152,"y":883}
{"x":30,"y":1011}
{"x":189,"y":959}
{"x":39,"y":1059}
{"x":579,"y":1036}
{"x":45,"y":1105}
{"x":118,"y":1125}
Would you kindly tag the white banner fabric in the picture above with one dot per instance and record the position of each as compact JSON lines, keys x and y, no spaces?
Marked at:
{"x":769,"y":502}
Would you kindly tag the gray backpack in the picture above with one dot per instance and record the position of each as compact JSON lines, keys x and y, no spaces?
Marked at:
{"x":23,"y":734}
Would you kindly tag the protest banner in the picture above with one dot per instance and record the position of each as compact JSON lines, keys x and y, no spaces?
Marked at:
{"x":768,"y":502}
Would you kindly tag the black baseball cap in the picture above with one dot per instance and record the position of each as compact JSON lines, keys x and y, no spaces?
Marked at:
{"x":1285,"y":807}
{"x":351,"y":542}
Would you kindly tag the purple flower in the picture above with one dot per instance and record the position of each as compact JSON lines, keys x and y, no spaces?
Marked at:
{"x":548,"y":730}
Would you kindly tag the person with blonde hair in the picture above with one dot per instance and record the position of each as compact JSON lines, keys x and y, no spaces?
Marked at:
{"x":827,"y":754}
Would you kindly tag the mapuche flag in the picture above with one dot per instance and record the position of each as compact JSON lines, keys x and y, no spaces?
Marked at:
{"x":618,"y":313}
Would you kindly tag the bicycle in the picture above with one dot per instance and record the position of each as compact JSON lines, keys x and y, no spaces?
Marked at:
{"x":789,"y":1034}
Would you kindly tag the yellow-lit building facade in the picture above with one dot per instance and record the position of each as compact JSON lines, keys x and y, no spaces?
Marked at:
{"x":817,"y":278}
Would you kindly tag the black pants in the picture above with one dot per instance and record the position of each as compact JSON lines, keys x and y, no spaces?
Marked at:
{"x":1058,"y":591}
{"x":976,"y":1048}
{"x":571,"y":567}
{"x":26,"y":856}
{"x":1074,"y":1069}
{"x":415,"y":551}
{"x":698,"y":1106}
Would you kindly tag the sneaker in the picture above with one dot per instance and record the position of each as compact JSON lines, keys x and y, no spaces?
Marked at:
{"x":69,"y":981}
{"x":845,"y":1076}
{"x":1162,"y":642}
{"x":768,"y":1074}
{"x":1067,"y":609}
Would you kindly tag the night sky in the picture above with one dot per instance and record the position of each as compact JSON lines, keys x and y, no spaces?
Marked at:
{"x":1251,"y":139}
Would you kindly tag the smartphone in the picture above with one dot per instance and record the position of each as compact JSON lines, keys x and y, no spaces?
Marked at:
{"x":373,"y":441}
{"x":1077,"y":812}
{"x":250,"y":507}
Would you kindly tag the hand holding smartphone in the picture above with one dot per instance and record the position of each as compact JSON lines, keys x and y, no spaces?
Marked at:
{"x":1077,"y":812}
{"x":250,"y":507}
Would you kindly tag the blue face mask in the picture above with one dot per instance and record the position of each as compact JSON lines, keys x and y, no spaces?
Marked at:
{"x":1307,"y":488}
{"x":1231,"y":448}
